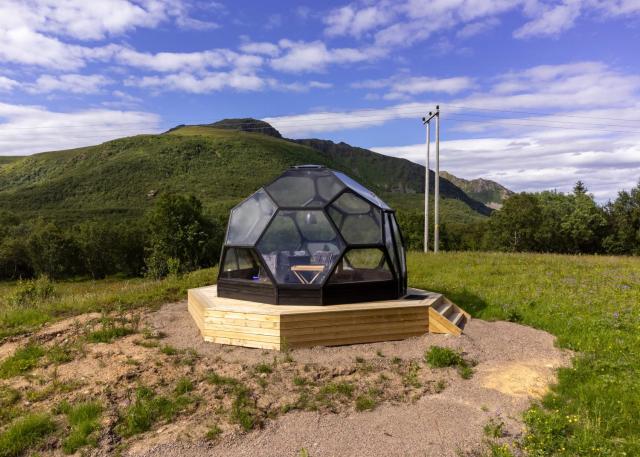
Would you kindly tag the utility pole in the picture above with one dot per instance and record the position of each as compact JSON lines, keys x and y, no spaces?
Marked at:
{"x":427,"y":121}
{"x":436,"y":219}
{"x":426,"y":187}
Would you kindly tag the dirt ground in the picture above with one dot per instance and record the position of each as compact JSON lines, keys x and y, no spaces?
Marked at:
{"x":418,"y":411}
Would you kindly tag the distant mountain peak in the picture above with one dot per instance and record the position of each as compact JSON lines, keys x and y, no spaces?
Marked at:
{"x":486,"y":191}
{"x":247,"y":124}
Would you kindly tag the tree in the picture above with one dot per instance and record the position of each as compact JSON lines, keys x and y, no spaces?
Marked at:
{"x":585,"y":226}
{"x":515,"y":227}
{"x":51,"y":251}
{"x":180,"y":237}
{"x":97,"y":245}
{"x":623,"y":217}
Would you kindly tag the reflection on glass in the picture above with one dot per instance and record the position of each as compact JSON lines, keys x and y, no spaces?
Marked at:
{"x":359,"y":222}
{"x":360,"y":265}
{"x":249,"y":219}
{"x":300,"y":247}
{"x":242,"y":263}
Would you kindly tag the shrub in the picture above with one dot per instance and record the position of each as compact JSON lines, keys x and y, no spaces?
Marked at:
{"x":25,"y":433}
{"x":439,"y":357}
{"x":365,"y":403}
{"x":31,"y":292}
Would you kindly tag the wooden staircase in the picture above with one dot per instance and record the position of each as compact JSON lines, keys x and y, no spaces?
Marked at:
{"x":447,"y":317}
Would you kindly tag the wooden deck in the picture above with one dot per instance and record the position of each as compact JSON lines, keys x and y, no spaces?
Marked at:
{"x":259,"y":325}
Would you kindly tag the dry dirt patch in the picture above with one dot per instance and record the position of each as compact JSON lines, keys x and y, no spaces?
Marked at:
{"x":307,"y":399}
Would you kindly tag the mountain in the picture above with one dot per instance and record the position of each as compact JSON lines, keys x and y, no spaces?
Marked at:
{"x":220,"y":166}
{"x":486,"y":191}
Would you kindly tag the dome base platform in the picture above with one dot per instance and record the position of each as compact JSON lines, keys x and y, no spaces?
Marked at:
{"x":259,"y":325}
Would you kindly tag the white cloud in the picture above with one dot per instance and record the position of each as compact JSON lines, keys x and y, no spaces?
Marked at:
{"x":262,"y":48}
{"x":186,"y":61}
{"x":208,"y":82}
{"x":405,"y":87}
{"x":349,"y":20}
{"x":477,"y":28}
{"x":7,"y":84}
{"x":314,"y":56}
{"x":27,"y":129}
{"x":590,"y":134}
{"x":72,"y":83}
{"x":33,"y":32}
{"x":551,"y":20}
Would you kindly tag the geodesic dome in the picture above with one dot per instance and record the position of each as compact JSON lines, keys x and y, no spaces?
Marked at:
{"x":312,"y":236}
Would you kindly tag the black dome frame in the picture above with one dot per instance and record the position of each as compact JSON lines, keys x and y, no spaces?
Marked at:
{"x":255,"y":266}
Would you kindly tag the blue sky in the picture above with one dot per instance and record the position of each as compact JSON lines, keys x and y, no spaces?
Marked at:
{"x":534,"y":94}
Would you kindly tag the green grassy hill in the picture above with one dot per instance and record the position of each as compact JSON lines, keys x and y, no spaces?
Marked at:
{"x":121,"y":178}
{"x":4,"y":160}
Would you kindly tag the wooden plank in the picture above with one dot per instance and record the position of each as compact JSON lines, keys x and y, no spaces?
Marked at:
{"x":355,"y":340}
{"x":242,"y":322}
{"x":245,"y":343}
{"x":338,"y":329}
{"x":440,"y":324}
{"x":242,"y":336}
{"x":364,"y":320}
{"x":420,"y":328}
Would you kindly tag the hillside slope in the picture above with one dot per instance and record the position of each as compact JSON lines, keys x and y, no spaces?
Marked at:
{"x":122,"y":177}
{"x":489,"y":192}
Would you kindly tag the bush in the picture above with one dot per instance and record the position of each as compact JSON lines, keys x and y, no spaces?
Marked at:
{"x":32,"y":292}
{"x":439,"y":357}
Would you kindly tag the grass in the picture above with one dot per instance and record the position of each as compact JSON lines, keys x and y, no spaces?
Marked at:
{"x":84,"y":420}
{"x":77,"y":297}
{"x":591,"y":304}
{"x":23,"y":360}
{"x":213,"y":433}
{"x":243,"y":408}
{"x":365,"y":403}
{"x":112,"y":329}
{"x":439,"y":357}
{"x":25,"y":433}
{"x":147,"y":408}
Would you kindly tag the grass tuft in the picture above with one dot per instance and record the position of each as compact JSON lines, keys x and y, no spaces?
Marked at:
{"x":25,"y":433}
{"x":23,"y":360}
{"x":84,"y":419}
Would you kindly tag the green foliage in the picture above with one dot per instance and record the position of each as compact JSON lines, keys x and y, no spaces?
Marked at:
{"x":112,"y":328}
{"x":344,"y":389}
{"x":25,"y":433}
{"x":365,"y":403}
{"x":439,"y":357}
{"x":180,"y":237}
{"x":9,"y":397}
{"x":590,"y":303}
{"x":84,"y":420}
{"x":243,"y":408}
{"x":494,"y":428}
{"x":148,"y":408}
{"x":23,"y":360}
{"x":213,"y":433}
{"x":77,"y":297}
{"x":184,"y":386}
{"x":264,"y":368}
{"x":31,"y":291}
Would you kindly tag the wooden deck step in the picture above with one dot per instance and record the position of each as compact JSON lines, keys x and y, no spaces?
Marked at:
{"x":446,"y":317}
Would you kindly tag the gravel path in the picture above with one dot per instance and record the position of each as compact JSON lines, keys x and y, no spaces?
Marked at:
{"x":515,"y":366}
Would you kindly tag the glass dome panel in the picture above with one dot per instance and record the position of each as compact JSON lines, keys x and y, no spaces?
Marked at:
{"x":360,"y":265}
{"x":388,"y":241}
{"x":243,"y":263}
{"x":396,"y":235}
{"x":249,"y":219}
{"x":291,"y":190}
{"x":300,"y":247}
{"x":361,"y":190}
{"x":359,"y":222}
